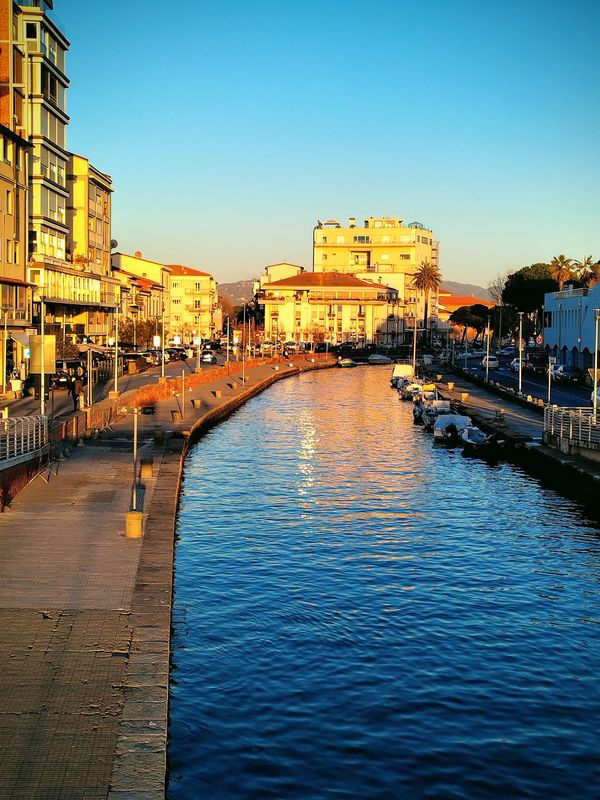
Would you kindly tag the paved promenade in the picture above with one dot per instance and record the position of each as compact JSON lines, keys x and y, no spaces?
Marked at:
{"x":85,"y":612}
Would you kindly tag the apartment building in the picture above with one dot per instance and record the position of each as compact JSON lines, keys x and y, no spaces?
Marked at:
{"x":89,"y":246}
{"x":145,"y":288}
{"x":383,"y":250}
{"x":15,"y":293}
{"x":194,"y":304}
{"x":332,"y":307}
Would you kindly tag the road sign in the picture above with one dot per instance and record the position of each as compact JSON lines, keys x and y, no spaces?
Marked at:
{"x":539,"y":339}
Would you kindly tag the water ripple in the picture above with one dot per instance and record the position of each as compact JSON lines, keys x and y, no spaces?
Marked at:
{"x":360,"y":615}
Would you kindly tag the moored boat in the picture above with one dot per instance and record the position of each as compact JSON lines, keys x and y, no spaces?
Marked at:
{"x":448,"y":427}
{"x":346,"y":362}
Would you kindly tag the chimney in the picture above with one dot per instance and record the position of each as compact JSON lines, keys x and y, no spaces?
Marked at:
{"x":352,"y":222}
{"x":138,"y":254}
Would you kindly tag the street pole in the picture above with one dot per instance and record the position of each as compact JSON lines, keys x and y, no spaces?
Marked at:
{"x":227,"y":359}
{"x":550,"y":362}
{"x":597,"y":316}
{"x":162,"y":361}
{"x":4,"y":350}
{"x":520,"y":350}
{"x":487,"y":355}
{"x":243,"y":348}
{"x":43,"y":356}
{"x":117,"y":350}
{"x":135,"y":449}
{"x":414,"y":358}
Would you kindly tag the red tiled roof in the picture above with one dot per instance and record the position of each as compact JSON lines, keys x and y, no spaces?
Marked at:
{"x":180,"y":269}
{"x":308,"y":280}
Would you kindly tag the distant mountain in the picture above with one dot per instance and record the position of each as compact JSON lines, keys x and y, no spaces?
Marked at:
{"x":469,"y":289}
{"x":239,"y":292}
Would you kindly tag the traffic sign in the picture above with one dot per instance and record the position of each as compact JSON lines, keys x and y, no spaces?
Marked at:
{"x":539,"y":339}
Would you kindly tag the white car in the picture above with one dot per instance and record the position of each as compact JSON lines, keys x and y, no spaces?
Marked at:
{"x":490,"y":361}
{"x":597,"y":398}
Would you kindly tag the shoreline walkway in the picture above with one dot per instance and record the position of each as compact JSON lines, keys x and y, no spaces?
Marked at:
{"x":85,"y":613}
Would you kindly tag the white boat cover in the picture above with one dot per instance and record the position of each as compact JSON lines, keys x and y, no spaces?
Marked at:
{"x":458,"y":420}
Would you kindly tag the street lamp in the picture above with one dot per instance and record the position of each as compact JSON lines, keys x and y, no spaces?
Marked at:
{"x":5,"y":308}
{"x":116,"y":348}
{"x":487,"y":352}
{"x":595,"y":395}
{"x":414,"y":358}
{"x":520,"y":350}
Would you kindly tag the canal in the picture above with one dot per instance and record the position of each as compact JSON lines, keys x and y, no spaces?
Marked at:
{"x":359,"y":614}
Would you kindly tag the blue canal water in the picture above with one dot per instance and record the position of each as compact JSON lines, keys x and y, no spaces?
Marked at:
{"x":361,"y":615}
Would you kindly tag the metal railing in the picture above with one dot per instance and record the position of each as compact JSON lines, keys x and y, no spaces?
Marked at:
{"x":575,"y":424}
{"x":22,"y":435}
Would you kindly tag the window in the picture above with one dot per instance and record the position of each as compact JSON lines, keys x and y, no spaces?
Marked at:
{"x":404,"y":256}
{"x":361,"y":239}
{"x":324,"y":256}
{"x":176,"y":301}
{"x":175,"y":285}
{"x":197,"y":286}
{"x":9,"y":201}
{"x":30,"y":30}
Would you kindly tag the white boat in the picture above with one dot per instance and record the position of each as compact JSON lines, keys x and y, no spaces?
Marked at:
{"x":346,"y":362}
{"x":401,"y":374}
{"x":378,"y":358}
{"x":431,"y":411}
{"x":448,"y":427}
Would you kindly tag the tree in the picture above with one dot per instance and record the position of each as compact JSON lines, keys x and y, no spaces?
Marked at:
{"x":496,"y":287}
{"x":426,"y":278}
{"x":474,"y":316}
{"x":525,"y":288}
{"x":561,"y":269}
{"x":587,"y":272}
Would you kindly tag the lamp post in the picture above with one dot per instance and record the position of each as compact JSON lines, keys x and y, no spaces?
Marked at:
{"x":243,"y":348}
{"x":4,"y":343}
{"x":520,"y":351}
{"x":116,"y":348}
{"x":414,"y":358}
{"x":595,"y":402}
{"x":43,"y":353}
{"x":487,"y":352}
{"x":162,"y":360}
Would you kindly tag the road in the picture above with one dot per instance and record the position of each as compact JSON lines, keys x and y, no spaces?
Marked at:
{"x":60,"y":401}
{"x":535,"y":385}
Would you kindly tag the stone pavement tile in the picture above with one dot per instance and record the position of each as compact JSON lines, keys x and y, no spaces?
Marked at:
{"x":140,"y":762}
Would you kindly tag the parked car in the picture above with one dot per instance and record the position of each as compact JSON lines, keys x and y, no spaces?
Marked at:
{"x":597,"y":398}
{"x":61,"y":379}
{"x":477,"y":354}
{"x":208,"y":357}
{"x":563,"y":373}
{"x":491,"y":362}
{"x":176,"y":353}
{"x":514,"y":364}
{"x":135,"y":362}
{"x":506,"y":351}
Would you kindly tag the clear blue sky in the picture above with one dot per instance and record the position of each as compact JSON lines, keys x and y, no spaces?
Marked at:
{"x":230,"y":128}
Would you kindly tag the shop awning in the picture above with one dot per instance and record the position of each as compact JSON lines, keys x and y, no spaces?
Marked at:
{"x":21,"y":338}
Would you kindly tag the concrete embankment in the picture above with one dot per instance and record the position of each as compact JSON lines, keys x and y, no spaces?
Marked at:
{"x":520,"y":422}
{"x":85,"y":612}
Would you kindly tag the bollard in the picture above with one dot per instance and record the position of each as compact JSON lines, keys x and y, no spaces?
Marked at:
{"x":499,"y":418}
{"x":276,"y":368}
{"x":451,"y":385}
{"x":197,"y":403}
{"x":146,"y":468}
{"x":134,"y":525}
{"x":216,"y":393}
{"x":175,"y":416}
{"x":464,"y":396}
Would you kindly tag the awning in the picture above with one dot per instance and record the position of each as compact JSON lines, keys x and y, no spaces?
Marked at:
{"x":95,"y":348}
{"x":21,"y":338}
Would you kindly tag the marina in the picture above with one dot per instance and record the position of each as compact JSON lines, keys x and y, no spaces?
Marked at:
{"x":360,"y":614}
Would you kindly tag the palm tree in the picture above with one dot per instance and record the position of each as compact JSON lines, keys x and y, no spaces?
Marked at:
{"x":560,"y":269}
{"x":426,"y":278}
{"x":585,"y":270}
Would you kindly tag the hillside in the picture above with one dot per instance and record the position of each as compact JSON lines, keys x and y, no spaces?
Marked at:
{"x":241,"y":291}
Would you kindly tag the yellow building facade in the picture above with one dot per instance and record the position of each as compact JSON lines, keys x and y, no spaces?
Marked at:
{"x":383,"y":250}
{"x":148,"y":298}
{"x":88,"y":248}
{"x":326,"y":307}
{"x":194,"y":304}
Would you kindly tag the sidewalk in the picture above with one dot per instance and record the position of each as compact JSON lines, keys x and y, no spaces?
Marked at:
{"x":85,"y":613}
